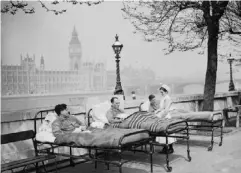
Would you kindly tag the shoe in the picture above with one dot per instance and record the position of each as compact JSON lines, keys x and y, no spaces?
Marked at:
{"x":170,"y":150}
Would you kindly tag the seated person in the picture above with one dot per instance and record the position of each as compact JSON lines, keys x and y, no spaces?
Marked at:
{"x":163,"y":112}
{"x":154,"y":104}
{"x":66,"y":123}
{"x":114,"y":111}
{"x":165,"y":103}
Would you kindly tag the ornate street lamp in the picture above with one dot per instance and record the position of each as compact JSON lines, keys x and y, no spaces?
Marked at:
{"x":231,"y":84}
{"x":117,"y":47}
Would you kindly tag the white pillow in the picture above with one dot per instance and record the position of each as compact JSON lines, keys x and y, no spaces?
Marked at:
{"x":145,"y":106}
{"x":99,"y":112}
{"x":46,"y":126}
{"x":99,"y":125}
{"x":50,"y":117}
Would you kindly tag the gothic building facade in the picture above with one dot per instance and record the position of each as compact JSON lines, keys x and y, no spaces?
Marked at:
{"x":27,"y":78}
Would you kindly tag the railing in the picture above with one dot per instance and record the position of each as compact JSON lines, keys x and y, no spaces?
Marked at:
{"x":189,"y":102}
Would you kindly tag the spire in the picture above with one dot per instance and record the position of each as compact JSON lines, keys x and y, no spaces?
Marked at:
{"x":74,"y":33}
{"x":74,"y":39}
{"x":42,"y":63}
{"x":42,"y":60}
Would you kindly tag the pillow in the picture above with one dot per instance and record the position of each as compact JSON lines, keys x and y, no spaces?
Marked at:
{"x":99,"y":112}
{"x":99,"y":125}
{"x":50,"y":117}
{"x":145,"y":106}
{"x":46,"y":126}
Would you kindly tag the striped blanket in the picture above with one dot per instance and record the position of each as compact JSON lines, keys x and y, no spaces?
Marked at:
{"x":150,"y":122}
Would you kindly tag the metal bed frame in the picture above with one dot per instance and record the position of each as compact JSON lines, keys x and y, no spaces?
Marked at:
{"x":210,"y":125}
{"x":167,"y":133}
{"x":102,"y":156}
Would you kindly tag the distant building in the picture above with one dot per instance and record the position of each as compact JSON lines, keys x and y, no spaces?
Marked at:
{"x":138,"y":80}
{"x":111,"y":79}
{"x":27,"y":78}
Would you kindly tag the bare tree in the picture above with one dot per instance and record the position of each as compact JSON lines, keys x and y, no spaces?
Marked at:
{"x":12,"y":7}
{"x":187,"y":25}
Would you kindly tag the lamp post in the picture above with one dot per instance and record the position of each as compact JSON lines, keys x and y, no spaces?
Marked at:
{"x":117,"y":47}
{"x":231,"y":84}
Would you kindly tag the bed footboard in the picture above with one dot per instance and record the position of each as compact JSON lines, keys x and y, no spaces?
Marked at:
{"x":214,"y":123}
{"x":182,"y":132}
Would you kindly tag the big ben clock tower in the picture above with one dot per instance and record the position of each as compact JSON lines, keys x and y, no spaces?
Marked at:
{"x":75,"y":53}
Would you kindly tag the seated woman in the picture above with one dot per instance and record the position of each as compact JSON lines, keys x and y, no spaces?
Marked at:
{"x":165,"y":102}
{"x":162,"y":112}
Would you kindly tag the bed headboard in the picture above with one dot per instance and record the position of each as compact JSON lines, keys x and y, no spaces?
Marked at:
{"x":90,"y":118}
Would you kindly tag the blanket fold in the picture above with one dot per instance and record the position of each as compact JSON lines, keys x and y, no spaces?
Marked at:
{"x":107,"y":138}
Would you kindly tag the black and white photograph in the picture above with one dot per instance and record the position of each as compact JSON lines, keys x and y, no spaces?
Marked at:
{"x":121,"y":86}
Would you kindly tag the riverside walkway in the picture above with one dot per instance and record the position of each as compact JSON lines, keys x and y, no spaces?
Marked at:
{"x":224,"y":159}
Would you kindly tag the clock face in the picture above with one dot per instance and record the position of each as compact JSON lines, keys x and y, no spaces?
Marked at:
{"x":75,"y":50}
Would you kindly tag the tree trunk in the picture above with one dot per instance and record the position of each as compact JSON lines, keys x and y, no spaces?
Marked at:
{"x":212,"y":64}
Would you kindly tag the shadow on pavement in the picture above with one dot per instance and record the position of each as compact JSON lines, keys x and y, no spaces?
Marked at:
{"x":138,"y":163}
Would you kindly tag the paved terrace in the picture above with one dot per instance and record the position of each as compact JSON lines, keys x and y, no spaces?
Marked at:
{"x":224,"y":159}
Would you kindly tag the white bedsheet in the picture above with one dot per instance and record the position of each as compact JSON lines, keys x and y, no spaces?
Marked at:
{"x":45,"y":136}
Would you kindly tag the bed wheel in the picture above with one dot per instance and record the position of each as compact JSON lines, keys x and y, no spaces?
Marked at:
{"x":220,"y":144}
{"x":169,"y":169}
{"x":210,"y":148}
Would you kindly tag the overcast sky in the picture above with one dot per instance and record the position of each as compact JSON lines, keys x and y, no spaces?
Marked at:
{"x":44,"y":33}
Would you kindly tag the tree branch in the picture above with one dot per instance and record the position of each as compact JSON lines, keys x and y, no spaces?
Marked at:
{"x":13,"y":7}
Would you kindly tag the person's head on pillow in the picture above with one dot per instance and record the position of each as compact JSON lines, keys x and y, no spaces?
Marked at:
{"x":61,"y":109}
{"x":115,"y":103}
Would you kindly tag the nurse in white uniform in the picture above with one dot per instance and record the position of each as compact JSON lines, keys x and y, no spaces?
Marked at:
{"x":163,"y":112}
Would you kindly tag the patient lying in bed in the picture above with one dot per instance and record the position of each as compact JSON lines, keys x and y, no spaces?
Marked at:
{"x":66,"y":123}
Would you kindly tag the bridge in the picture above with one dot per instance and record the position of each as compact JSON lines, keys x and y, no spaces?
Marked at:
{"x":177,"y":87}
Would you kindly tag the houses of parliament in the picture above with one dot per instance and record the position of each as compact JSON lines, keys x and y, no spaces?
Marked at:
{"x":27,"y":78}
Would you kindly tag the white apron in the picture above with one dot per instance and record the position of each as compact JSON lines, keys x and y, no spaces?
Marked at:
{"x":162,"y":114}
